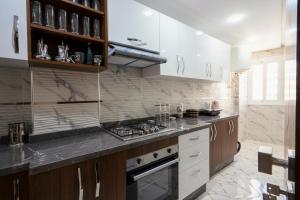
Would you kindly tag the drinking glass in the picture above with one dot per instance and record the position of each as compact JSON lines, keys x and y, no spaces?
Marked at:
{"x":86,"y":26}
{"x":74,"y":23}
{"x":62,"y":20}
{"x":49,"y":16}
{"x":86,"y":3}
{"x":96,"y":5}
{"x":36,"y":12}
{"x":96,"y":28}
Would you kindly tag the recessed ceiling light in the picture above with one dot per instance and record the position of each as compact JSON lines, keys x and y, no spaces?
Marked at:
{"x":198,"y":55}
{"x":148,"y":13}
{"x":199,"y":33}
{"x":235,"y":18}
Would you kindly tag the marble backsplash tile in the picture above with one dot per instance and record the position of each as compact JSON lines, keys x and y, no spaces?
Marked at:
{"x":15,"y":97}
{"x":127,"y":95}
{"x":64,"y":100}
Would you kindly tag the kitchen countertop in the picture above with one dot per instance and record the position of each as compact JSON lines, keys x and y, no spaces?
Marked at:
{"x":38,"y":157}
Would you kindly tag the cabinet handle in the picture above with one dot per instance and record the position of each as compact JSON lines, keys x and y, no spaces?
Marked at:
{"x":195,"y":138}
{"x":195,"y":155}
{"x":16,"y":184}
{"x":212,"y":134}
{"x":136,"y":41}
{"x":183,"y":63}
{"x":216,"y":132}
{"x":16,"y":34}
{"x":97,"y":180}
{"x":230,"y":127}
{"x":196,"y":172}
{"x":80,"y":185}
{"x":178,"y":65}
{"x":207,"y":70}
{"x":210,"y":71}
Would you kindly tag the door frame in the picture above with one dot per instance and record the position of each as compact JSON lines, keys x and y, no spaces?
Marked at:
{"x":297,"y":178}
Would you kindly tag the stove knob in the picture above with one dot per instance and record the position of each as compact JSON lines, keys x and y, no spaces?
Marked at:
{"x":155,"y":155}
{"x":138,"y":161}
{"x":169,"y":150}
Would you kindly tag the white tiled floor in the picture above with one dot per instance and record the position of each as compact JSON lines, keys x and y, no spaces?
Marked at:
{"x":241,"y":180}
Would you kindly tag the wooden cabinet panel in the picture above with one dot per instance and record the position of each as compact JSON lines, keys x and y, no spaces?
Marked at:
{"x":223,"y":144}
{"x":234,"y":136}
{"x":14,"y":186}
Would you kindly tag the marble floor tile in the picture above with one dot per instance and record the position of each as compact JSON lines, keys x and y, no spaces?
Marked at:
{"x":240,"y":180}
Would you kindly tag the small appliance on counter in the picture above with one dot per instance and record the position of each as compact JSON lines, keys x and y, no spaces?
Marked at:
{"x":212,"y":110}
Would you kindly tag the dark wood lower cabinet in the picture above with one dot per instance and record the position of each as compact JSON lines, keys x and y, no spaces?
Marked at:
{"x":14,"y":186}
{"x":103,"y":178}
{"x":223,"y":144}
{"x":108,"y":172}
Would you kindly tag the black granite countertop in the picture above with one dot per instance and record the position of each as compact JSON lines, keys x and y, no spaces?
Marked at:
{"x":42,"y":156}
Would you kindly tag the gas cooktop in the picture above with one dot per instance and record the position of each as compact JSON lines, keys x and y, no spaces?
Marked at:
{"x":138,"y":130}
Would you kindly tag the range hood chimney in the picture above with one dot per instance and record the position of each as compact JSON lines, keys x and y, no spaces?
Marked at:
{"x":128,"y":56}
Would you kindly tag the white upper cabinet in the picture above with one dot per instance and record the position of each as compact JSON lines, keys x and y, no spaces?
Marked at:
{"x":213,"y":58}
{"x":241,"y":59}
{"x":169,"y":48}
{"x":133,"y":24}
{"x":187,"y":51}
{"x":13,"y":26}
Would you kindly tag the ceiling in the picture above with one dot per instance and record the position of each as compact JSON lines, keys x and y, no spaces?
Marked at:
{"x":261,"y":27}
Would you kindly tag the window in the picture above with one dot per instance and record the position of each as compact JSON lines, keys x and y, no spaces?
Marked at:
{"x":272,"y":82}
{"x":257,"y":83}
{"x":290,"y":80}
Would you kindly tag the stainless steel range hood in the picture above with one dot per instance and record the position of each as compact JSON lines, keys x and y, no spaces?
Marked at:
{"x":129,"y":56}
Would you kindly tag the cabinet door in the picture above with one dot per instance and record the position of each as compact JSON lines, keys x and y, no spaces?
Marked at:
{"x":203,"y":56}
{"x":217,"y":146}
{"x":129,"y":21}
{"x":113,"y":176}
{"x":220,"y":60}
{"x":169,"y":46}
{"x":234,"y":136}
{"x":187,"y":51}
{"x":14,"y":186}
{"x":72,"y":182}
{"x":227,"y":141}
{"x":230,"y":140}
{"x":212,"y":152}
{"x":8,"y":10}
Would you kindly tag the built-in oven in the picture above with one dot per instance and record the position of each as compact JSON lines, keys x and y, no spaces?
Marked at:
{"x":153,"y":176}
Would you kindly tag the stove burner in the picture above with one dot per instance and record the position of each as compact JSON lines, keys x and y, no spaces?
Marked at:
{"x":134,"y":131}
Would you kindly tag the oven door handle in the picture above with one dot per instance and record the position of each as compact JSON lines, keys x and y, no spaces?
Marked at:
{"x":156,"y":169}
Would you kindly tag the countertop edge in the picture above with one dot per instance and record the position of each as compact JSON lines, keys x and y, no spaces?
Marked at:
{"x":94,"y":155}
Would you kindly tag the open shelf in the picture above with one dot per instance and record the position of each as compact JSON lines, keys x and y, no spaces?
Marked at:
{"x":76,"y":42}
{"x":69,"y":35}
{"x":82,"y":7}
{"x":76,"y":7}
{"x":63,"y":65}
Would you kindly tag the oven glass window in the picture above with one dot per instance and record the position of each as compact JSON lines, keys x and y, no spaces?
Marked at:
{"x":161,"y":185}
